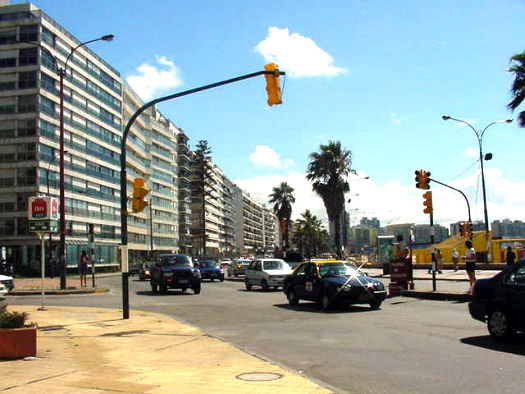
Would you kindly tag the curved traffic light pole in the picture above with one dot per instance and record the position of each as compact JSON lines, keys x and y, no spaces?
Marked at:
{"x":459,"y":191}
{"x":123,"y":174}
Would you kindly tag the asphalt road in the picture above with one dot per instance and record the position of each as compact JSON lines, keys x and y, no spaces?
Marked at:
{"x":408,"y":346}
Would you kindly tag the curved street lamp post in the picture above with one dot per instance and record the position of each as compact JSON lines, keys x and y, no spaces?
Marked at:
{"x":479,"y":136}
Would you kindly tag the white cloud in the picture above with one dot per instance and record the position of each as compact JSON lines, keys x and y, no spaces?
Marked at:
{"x":150,"y":80}
{"x":264,"y":156}
{"x":394,"y":203}
{"x":299,"y":56}
{"x":470,"y":152}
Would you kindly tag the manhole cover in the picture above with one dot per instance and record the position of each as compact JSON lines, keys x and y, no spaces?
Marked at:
{"x":258,"y":376}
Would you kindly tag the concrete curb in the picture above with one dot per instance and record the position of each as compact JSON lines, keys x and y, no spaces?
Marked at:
{"x":436,"y":295}
{"x":28,"y":292}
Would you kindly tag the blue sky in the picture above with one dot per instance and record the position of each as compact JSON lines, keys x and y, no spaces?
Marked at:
{"x":376,"y":75}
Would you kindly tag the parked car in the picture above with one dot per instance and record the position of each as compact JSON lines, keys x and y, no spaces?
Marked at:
{"x":238,"y":267}
{"x":331,"y":282}
{"x":211,"y":270}
{"x":7,"y":281}
{"x":226,"y":263}
{"x":145,"y":271}
{"x":175,"y":271}
{"x":3,"y":291}
{"x":266,"y":273}
{"x":500,"y":301}
{"x":134,"y":268}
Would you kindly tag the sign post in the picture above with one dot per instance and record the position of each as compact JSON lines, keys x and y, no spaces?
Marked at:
{"x":43,"y":219}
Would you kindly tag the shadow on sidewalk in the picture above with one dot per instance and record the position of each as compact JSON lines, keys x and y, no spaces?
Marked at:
{"x":514,"y":346}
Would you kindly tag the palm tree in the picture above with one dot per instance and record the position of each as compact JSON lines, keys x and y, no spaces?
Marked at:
{"x":518,"y":86}
{"x":310,"y":227}
{"x":282,"y":199}
{"x":328,"y":171}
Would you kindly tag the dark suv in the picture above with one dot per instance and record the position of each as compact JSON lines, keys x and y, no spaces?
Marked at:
{"x":175,"y":271}
{"x":500,"y":301}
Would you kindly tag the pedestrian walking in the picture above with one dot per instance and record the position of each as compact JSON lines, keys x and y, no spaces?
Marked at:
{"x":83,"y":268}
{"x":470,"y":261}
{"x":455,"y":259}
{"x":511,"y":256}
{"x":439,"y":261}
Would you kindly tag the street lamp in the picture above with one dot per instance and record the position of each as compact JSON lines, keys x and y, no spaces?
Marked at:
{"x":62,"y":74}
{"x":479,"y":136}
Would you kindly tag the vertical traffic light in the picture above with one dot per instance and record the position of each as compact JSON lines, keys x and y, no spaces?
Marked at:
{"x":139,"y":192}
{"x":462,"y":229}
{"x":425,"y":179}
{"x":468,"y":229}
{"x":418,"y":179}
{"x":427,"y":202}
{"x":283,"y":225}
{"x":273,"y":85}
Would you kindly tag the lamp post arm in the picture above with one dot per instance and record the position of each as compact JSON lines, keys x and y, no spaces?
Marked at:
{"x":459,"y":191}
{"x":74,"y":49}
{"x":472,"y":127}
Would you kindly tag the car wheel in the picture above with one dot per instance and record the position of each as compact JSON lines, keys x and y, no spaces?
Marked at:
{"x":498,"y":325}
{"x":247,"y":284}
{"x":221,"y":278}
{"x":325,"y":301}
{"x":292,"y":298}
{"x":163,"y":289}
{"x":197,"y":288}
{"x":264,"y":285}
{"x":154,"y":287}
{"x":375,"y":304}
{"x":184,"y":289}
{"x":236,"y":275}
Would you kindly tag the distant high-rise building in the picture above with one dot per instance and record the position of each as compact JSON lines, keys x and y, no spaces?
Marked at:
{"x":508,"y":229}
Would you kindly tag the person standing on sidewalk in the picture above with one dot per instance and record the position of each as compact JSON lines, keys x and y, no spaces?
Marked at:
{"x":439,"y":261}
{"x":455,"y":259}
{"x":511,"y":256}
{"x":83,"y":268}
{"x":470,"y":260}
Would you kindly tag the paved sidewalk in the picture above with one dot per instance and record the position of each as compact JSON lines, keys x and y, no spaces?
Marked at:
{"x":92,"y":350}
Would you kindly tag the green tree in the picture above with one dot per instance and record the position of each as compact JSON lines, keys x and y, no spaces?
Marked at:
{"x":518,"y":86}
{"x":282,"y":199}
{"x":328,"y":171}
{"x":202,"y":187}
{"x":310,"y":227}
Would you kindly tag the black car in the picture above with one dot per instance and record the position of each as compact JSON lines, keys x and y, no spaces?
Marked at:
{"x":211,"y":270}
{"x":500,"y":301}
{"x":175,"y":271}
{"x":330,"y":282}
{"x":134,"y":268}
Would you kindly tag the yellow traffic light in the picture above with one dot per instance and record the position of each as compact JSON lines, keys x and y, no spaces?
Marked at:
{"x":428,"y":202}
{"x":273,"y":85}
{"x":283,"y":225}
{"x":425,"y":179}
{"x":139,"y":192}
{"x":468,"y":229}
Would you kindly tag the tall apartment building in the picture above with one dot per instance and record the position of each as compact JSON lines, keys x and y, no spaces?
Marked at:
{"x":96,"y":108}
{"x":32,"y":48}
{"x":184,"y":163}
{"x":508,"y":228}
{"x":270,"y":230}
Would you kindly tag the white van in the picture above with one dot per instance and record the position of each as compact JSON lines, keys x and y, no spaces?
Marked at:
{"x":266,"y":273}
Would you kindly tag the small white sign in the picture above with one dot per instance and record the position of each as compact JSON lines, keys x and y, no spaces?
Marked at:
{"x":42,"y":208}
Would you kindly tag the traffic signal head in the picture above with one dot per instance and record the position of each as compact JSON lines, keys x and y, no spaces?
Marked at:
{"x":283,"y":225}
{"x":139,"y":192}
{"x":468,"y":229}
{"x":427,"y":202}
{"x":273,"y":85}
{"x":422,"y":179}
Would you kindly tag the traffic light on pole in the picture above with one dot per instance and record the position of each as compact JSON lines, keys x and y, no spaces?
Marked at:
{"x":468,"y":229}
{"x":283,"y":225}
{"x":462,"y":229}
{"x":139,"y":192}
{"x":425,"y":179}
{"x":427,"y":202}
{"x":273,"y":85}
{"x":418,"y":179}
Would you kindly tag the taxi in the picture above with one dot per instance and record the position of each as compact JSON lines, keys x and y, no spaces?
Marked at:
{"x":331,"y":282}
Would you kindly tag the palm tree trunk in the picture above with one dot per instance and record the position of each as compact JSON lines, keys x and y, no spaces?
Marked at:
{"x":337,"y":221}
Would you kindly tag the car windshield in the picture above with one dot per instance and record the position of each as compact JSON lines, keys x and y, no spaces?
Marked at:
{"x":273,"y":265}
{"x":176,"y":261}
{"x":207,"y":264}
{"x":338,"y":269}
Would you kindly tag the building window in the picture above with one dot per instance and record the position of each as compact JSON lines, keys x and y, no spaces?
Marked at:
{"x":7,"y":128}
{"x":28,"y":57}
{"x":7,"y":36}
{"x":47,"y":105}
{"x":29,"y":33}
{"x":26,"y":176}
{"x":26,"y":152}
{"x":27,"y":80}
{"x":26,"y":104}
{"x":7,"y":105}
{"x":26,"y":127}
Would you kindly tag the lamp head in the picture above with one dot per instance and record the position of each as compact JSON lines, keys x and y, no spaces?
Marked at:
{"x":108,"y":37}
{"x":508,"y":121}
{"x":445,"y":117}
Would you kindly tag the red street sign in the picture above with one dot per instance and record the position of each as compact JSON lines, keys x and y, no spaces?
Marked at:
{"x":38,"y":208}
{"x":54,"y":208}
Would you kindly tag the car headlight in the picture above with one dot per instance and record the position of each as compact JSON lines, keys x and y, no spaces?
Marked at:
{"x":221,"y":271}
{"x":197,"y":273}
{"x":146,"y":272}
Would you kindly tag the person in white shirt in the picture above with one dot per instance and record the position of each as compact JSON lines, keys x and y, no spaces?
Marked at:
{"x":470,"y":260}
{"x":455,"y":259}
